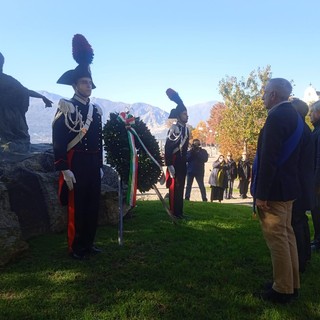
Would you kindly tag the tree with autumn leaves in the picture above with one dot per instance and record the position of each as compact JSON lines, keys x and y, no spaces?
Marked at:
{"x":201,"y":132}
{"x":216,"y":116}
{"x":237,"y":122}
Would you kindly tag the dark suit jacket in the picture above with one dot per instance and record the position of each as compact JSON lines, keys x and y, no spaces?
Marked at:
{"x":306,"y":199}
{"x":316,"y":143}
{"x":196,"y":159}
{"x":278,"y":182}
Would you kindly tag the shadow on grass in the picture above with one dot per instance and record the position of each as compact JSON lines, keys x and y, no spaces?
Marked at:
{"x":206,"y":267}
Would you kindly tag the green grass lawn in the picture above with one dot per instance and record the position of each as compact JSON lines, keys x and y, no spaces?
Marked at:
{"x":208,"y":267}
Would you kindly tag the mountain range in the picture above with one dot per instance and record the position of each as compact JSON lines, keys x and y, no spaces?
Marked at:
{"x":39,"y":119}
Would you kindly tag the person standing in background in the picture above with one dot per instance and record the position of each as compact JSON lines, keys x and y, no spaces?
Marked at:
{"x":244,"y":174}
{"x":231,"y":175}
{"x":218,"y":179}
{"x":305,"y":200}
{"x":196,"y":158}
{"x":315,"y":212}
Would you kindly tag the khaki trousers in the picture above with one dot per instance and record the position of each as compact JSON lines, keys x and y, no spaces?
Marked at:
{"x":281,"y":241}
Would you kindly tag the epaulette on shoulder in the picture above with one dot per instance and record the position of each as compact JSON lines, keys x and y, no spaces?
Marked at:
{"x":173,"y":133}
{"x":66,"y":106}
{"x":99,"y":109}
{"x":174,"y":129}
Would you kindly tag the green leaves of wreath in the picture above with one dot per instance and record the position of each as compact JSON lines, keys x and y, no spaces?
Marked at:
{"x":117,"y":149}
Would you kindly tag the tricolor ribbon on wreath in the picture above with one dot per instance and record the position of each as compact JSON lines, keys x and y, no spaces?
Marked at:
{"x":128,"y":121}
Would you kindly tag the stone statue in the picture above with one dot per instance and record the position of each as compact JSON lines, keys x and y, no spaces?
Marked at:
{"x":14,"y":103}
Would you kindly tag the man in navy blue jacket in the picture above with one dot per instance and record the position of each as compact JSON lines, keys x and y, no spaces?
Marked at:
{"x":176,"y":154}
{"x":305,"y":200}
{"x":315,"y":212}
{"x":277,"y":186}
{"x":196,"y":158}
{"x":77,"y":146}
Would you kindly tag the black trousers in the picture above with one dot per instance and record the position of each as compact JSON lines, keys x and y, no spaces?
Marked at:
{"x":199,"y":179}
{"x":301,"y":230}
{"x":176,"y":188}
{"x":243,"y":187}
{"x":229,"y":190}
{"x":315,"y":213}
{"x":84,"y":202}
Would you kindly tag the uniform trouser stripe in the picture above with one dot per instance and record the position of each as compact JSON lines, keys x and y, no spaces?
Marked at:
{"x":171,"y":195}
{"x":71,"y":221}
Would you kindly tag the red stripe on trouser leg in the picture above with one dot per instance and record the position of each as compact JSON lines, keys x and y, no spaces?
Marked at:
{"x":170,"y":186}
{"x":71,"y":220}
{"x":171,"y":195}
{"x":170,"y":183}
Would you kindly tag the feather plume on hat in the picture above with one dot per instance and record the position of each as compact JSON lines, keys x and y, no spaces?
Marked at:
{"x":82,"y":53}
{"x":174,"y":96}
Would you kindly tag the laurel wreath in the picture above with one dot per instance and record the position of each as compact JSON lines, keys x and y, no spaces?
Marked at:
{"x":117,"y":149}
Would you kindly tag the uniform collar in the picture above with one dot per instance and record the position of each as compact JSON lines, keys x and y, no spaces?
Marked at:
{"x":181,"y":124}
{"x":81,"y":100}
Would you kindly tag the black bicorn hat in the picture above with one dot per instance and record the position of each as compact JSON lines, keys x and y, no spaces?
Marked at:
{"x":82,"y":53}
{"x":174,"y":96}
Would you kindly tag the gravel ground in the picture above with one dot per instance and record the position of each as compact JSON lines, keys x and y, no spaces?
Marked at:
{"x":195,"y":195}
{"x":195,"y":192}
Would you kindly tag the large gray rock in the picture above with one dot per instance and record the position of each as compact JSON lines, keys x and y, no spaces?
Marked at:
{"x":11,"y":241}
{"x":29,"y":200}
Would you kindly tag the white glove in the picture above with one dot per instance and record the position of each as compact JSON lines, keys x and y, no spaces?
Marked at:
{"x":101,"y":173}
{"x":69,"y":178}
{"x":172,"y":171}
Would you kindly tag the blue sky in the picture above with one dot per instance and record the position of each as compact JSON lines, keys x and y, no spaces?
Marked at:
{"x":144,"y":47}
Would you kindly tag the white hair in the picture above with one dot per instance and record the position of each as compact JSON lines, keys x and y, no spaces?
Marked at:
{"x":282,"y":87}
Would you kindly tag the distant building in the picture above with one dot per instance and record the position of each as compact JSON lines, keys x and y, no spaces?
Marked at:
{"x":311,"y":95}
